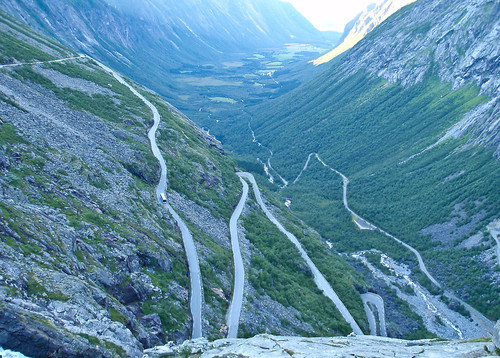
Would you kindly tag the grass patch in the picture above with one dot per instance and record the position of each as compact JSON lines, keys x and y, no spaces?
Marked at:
{"x":172,"y":315}
{"x":281,"y":274}
{"x":223,"y":100}
{"x":35,"y":288}
{"x":8,"y":135}
{"x":100,"y":105}
{"x":13,"y":48}
{"x":117,"y":316}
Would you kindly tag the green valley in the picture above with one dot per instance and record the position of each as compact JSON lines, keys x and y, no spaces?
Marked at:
{"x":421,"y":152}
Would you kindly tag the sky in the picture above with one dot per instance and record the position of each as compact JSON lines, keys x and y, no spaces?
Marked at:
{"x":330,"y":14}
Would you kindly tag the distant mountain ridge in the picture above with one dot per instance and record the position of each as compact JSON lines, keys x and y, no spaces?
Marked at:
{"x":197,"y":28}
{"x":179,"y":48}
{"x":164,"y":34}
{"x":361,"y":25}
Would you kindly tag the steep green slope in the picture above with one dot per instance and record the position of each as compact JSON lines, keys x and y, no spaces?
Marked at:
{"x":276,"y":274}
{"x":410,"y":115}
{"x":90,"y":263}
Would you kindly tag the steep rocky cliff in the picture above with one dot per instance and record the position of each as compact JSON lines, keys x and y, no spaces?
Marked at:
{"x":88,"y":256}
{"x":458,"y":45}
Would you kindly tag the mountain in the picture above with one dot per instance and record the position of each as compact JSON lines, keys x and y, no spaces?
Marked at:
{"x":361,"y":25}
{"x":195,"y":53}
{"x":119,"y":216}
{"x":409,"y":116}
{"x":166,"y":31}
{"x":92,"y":263}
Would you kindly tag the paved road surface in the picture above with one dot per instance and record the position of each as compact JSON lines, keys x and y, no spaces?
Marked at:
{"x":303,"y":169}
{"x":421,"y":263}
{"x":42,"y":62}
{"x":372,"y":322}
{"x":378,"y":302}
{"x":233,"y":314}
{"x":319,"y":279}
{"x":192,"y":256}
{"x":476,"y":315}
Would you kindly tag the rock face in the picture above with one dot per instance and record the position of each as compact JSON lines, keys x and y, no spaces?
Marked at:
{"x":361,"y":346}
{"x":496,"y":334}
{"x":37,"y":340}
{"x":460,"y":47}
{"x":67,"y":264}
{"x":460,"y":44}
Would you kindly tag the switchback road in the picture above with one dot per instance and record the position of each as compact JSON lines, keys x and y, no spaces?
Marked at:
{"x":233,"y":314}
{"x":319,"y":279}
{"x":378,"y":302}
{"x":479,"y":318}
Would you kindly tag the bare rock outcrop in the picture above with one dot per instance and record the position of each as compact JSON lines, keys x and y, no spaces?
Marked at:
{"x":336,"y":347}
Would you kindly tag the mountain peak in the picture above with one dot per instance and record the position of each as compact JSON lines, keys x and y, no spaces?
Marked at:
{"x":361,"y":25}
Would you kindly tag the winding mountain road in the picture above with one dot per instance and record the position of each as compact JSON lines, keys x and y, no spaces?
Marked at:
{"x":421,"y":263}
{"x":304,"y":168}
{"x":372,"y":321}
{"x":319,"y":279}
{"x":187,"y":238}
{"x":378,"y":302}
{"x":233,"y":314}
{"x":362,"y":223}
{"x":475,"y":314}
{"x":42,"y":62}
{"x":267,"y":166}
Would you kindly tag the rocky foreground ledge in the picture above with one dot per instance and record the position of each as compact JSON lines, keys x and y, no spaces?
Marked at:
{"x":331,"y":347}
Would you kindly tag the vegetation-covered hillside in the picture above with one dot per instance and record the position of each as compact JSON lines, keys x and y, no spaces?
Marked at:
{"x":410,"y":115}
